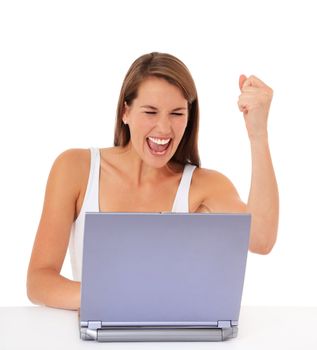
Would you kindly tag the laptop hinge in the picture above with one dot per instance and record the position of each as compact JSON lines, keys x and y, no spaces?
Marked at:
{"x":94,"y":324}
{"x":224,"y":324}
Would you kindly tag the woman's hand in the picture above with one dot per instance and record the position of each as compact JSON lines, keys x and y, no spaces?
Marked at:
{"x":254,"y":102}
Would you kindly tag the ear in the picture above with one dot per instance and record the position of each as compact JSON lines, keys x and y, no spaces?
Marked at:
{"x":125,"y":112}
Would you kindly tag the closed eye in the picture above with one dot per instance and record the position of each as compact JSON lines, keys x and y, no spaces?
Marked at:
{"x":178,"y":114}
{"x":149,"y":112}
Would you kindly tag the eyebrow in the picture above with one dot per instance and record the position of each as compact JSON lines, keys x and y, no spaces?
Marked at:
{"x":173,"y":110}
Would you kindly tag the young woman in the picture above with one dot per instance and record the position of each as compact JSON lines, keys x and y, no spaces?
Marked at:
{"x":154,"y":166}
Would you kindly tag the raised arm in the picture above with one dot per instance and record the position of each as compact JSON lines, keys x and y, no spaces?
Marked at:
{"x":45,"y":285}
{"x":263,"y":201}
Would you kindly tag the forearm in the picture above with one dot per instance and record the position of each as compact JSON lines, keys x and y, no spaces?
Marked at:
{"x":48,"y":287}
{"x":263,"y":202}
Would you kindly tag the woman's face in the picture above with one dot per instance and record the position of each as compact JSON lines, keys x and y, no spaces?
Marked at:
{"x":157,"y":119}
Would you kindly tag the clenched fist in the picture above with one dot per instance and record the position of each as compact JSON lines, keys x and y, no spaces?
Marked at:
{"x":254,"y":102}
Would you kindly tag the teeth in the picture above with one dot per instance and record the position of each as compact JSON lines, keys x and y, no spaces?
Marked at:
{"x":159,"y":141}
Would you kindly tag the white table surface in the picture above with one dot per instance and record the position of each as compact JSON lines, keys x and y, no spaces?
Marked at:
{"x":259,"y":328}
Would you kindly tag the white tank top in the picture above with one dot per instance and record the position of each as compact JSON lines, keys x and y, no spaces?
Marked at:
{"x":91,"y":204}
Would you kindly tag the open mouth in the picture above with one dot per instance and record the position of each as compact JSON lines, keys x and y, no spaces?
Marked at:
{"x":158,"y":146}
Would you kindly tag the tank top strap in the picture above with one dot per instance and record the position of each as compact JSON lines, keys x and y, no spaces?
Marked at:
{"x":181,"y":202}
{"x":92,"y":196}
{"x":90,"y":203}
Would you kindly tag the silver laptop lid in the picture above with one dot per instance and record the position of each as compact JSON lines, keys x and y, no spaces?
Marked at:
{"x":163,"y":269}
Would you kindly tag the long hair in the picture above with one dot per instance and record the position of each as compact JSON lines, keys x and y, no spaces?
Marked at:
{"x":170,"y":68}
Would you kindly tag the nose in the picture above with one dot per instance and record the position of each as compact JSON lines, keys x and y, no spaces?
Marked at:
{"x":164,"y":124}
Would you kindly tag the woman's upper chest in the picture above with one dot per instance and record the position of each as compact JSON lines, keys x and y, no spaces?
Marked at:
{"x":117,"y":193}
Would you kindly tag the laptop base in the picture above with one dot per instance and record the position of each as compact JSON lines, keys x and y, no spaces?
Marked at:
{"x":158,"y":335}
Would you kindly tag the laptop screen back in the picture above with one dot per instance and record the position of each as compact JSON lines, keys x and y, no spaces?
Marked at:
{"x":156,"y":269}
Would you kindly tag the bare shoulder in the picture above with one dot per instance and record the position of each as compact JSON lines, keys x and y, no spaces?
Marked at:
{"x":73,"y":158}
{"x":212,"y":180}
{"x":217,"y":191}
{"x":70,"y":170}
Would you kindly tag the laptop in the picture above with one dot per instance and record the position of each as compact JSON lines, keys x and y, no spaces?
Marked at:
{"x":162,"y":276}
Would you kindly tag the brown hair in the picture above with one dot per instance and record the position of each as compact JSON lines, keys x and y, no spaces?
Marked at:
{"x":174,"y":71}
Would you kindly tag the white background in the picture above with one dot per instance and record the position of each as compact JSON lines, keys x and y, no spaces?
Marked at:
{"x":61,"y":67}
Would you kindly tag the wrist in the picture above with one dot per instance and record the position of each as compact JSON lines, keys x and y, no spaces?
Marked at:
{"x":259,"y":138}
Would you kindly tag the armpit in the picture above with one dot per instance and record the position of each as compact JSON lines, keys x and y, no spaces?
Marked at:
{"x":203,"y":209}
